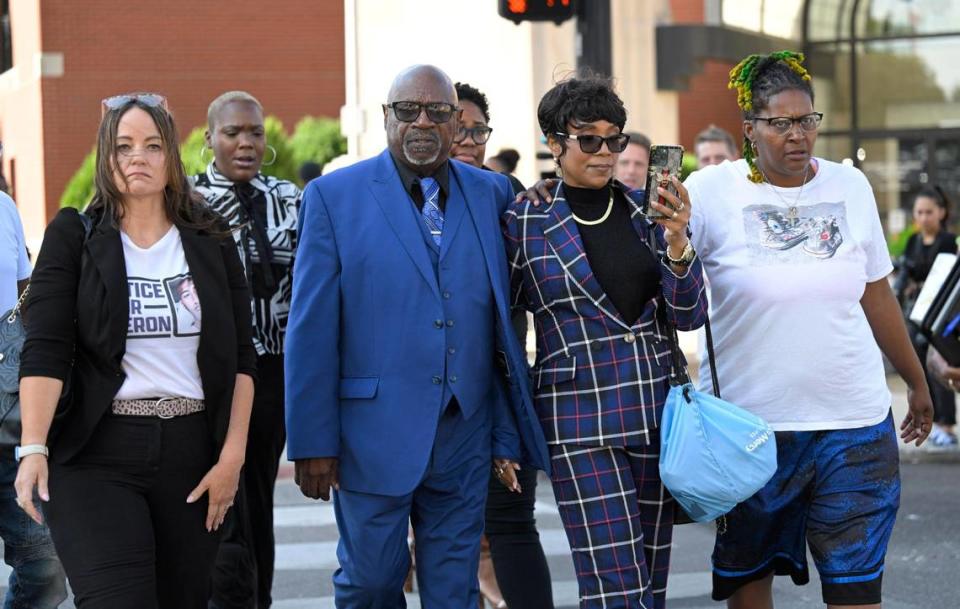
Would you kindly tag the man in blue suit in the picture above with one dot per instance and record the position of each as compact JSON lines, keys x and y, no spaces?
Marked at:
{"x":403,"y":376}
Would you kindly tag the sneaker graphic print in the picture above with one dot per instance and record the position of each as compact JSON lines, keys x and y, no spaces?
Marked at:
{"x":795,"y":235}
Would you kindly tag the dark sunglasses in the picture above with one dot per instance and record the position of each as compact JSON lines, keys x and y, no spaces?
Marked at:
{"x":479,"y":135}
{"x":409,"y":111}
{"x":591,"y":143}
{"x":151,"y":100}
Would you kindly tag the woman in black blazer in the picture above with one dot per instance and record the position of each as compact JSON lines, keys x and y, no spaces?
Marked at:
{"x":145,"y":318}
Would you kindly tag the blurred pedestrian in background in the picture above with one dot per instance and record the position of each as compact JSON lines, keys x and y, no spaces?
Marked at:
{"x":504,"y":161}
{"x":801,"y":310}
{"x":146,"y":452}
{"x":262,"y":211}
{"x":931,"y":211}
{"x":513,"y":558}
{"x":310,"y":170}
{"x":713,"y":146}
{"x":37,"y":579}
{"x":634,"y":161}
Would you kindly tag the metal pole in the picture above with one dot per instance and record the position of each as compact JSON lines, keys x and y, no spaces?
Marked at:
{"x":593,"y":31}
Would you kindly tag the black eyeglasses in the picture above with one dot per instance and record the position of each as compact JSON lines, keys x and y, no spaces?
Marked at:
{"x":591,"y":143}
{"x":783,"y":124}
{"x":479,"y":135}
{"x":409,"y":111}
{"x":151,"y":100}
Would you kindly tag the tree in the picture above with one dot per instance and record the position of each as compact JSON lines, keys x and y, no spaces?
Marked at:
{"x":317,"y":139}
{"x":79,"y":189}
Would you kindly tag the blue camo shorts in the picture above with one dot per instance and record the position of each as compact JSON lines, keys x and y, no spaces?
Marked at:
{"x":836,"y":490}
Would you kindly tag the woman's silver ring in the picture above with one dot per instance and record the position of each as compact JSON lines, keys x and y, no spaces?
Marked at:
{"x":952,"y":383}
{"x":675,"y":214}
{"x":681,"y":206}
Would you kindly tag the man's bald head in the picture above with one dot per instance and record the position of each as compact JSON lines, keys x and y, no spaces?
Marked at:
{"x":421,"y":142}
{"x":409,"y":80}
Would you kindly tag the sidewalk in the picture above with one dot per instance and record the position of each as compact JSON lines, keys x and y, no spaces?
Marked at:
{"x":908,"y":452}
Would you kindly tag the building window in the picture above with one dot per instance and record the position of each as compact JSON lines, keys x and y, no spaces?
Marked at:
{"x":6,"y":44}
{"x":888,"y":83}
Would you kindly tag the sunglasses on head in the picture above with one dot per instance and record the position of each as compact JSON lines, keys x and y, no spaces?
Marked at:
{"x":151,"y":100}
{"x":591,"y":143}
{"x":409,"y":111}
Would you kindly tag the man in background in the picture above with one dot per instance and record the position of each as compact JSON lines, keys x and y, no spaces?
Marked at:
{"x":634,"y":160}
{"x":713,"y":146}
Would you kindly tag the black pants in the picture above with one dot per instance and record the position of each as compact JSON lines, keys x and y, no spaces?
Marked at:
{"x":518,"y":559}
{"x":120,"y":520}
{"x":243,"y":577}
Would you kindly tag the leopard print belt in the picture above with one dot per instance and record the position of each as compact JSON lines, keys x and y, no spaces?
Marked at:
{"x":165,"y":408}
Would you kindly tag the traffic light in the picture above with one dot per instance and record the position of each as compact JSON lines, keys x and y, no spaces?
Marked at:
{"x":557,"y":11}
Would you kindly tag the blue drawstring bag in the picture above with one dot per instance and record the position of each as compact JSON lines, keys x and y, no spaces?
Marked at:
{"x":713,"y":455}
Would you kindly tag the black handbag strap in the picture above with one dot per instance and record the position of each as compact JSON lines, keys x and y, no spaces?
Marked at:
{"x":680,"y":375}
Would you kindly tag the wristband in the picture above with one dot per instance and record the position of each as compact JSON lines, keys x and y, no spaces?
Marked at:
{"x":19,"y":452}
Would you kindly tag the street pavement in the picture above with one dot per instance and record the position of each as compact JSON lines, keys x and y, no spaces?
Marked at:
{"x":921,"y":568}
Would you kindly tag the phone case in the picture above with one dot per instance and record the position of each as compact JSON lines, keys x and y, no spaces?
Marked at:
{"x":665,"y":161}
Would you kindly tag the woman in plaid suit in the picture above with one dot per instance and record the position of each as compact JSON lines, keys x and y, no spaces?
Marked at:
{"x":604,"y":283}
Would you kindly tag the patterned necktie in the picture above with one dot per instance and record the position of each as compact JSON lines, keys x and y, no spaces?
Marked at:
{"x":431,"y":208}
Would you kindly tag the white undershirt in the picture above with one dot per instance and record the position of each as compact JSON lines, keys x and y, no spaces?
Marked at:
{"x":163,"y":332}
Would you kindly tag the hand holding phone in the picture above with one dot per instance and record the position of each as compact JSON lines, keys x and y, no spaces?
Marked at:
{"x":665,"y":163}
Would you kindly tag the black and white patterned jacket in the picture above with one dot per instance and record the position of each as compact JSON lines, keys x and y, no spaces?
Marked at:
{"x":280,"y":200}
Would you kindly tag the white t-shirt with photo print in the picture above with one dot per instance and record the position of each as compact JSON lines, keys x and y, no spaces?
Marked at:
{"x":163,"y":332}
{"x":787,"y":270}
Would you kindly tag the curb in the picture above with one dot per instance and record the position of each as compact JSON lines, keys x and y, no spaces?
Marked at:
{"x":918,"y":455}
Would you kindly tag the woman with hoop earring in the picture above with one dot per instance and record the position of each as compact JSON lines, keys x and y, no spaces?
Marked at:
{"x":264,"y":211}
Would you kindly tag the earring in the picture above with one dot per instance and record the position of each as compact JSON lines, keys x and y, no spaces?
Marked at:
{"x":203,"y":161}
{"x":753,"y":144}
{"x":273,"y":160}
{"x":557,"y":168}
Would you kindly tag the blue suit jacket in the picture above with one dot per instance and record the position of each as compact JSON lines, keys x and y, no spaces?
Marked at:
{"x":355,"y":382}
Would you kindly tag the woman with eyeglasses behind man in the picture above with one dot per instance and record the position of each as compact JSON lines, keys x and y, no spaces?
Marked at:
{"x":145,"y":452}
{"x":605,"y":285}
{"x":513,"y":568}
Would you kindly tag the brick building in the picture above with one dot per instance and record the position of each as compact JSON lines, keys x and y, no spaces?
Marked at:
{"x":63,"y":56}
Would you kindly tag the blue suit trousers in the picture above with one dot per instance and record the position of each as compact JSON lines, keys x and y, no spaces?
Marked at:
{"x":447,"y":512}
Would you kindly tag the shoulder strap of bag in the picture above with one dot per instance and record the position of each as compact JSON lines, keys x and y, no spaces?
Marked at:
{"x":87,"y":222}
{"x":679,"y":368}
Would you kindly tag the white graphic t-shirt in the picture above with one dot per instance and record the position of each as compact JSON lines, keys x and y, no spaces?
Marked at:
{"x":786,"y":272}
{"x":163,"y":332}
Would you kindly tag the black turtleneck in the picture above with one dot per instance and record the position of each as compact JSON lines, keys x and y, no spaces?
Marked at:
{"x":620,"y":259}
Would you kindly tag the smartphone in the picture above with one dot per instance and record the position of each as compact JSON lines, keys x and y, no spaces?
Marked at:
{"x":665,"y":161}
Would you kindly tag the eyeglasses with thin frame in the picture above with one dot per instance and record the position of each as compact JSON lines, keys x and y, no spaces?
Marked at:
{"x":409,"y":111}
{"x":151,"y":100}
{"x":783,"y":124}
{"x":479,"y":135}
{"x":591,"y":143}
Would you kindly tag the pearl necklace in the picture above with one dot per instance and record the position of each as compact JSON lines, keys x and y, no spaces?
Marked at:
{"x":602,"y":218}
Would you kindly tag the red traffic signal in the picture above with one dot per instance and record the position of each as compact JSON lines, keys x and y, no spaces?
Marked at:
{"x":557,"y":11}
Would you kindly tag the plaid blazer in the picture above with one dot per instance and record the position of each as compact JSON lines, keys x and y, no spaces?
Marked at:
{"x":597,"y":379}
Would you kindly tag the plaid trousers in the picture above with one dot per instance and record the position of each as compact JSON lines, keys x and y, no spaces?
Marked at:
{"x":619,"y":520}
